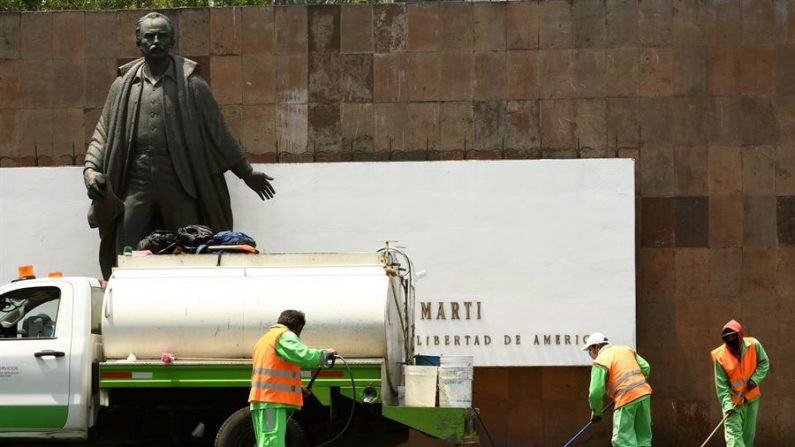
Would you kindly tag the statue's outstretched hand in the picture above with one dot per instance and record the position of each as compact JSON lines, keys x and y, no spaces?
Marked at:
{"x":95,"y":183}
{"x":260,"y":183}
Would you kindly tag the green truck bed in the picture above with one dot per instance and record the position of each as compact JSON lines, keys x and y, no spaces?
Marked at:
{"x":455,"y":425}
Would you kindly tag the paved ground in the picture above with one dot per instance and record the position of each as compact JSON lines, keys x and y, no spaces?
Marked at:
{"x":120,"y":435}
{"x":346,"y":441}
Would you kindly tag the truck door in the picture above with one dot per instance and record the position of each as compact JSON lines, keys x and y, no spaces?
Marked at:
{"x":35,"y":343}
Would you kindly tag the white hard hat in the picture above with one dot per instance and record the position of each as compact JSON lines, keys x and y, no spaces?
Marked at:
{"x":597,"y":338}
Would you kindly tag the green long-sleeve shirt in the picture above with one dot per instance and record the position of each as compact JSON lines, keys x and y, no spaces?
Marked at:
{"x":722,"y":383}
{"x":292,"y":349}
{"x":599,"y":376}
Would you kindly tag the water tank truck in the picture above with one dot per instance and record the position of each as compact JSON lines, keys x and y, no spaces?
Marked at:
{"x":161,"y":353}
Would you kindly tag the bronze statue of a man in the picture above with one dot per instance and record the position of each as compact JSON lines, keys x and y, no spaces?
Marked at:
{"x":160,"y":149}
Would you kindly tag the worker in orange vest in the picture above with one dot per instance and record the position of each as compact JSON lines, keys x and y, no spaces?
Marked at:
{"x":276,"y":389}
{"x":621,"y":373}
{"x":740,"y":365}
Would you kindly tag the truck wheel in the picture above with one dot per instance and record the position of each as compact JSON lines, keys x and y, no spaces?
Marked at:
{"x":238,"y":431}
{"x":295,"y":436}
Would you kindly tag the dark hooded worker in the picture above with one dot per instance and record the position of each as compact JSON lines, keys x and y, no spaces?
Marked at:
{"x":622,"y":374}
{"x":276,"y":361}
{"x":160,"y":149}
{"x":740,"y":366}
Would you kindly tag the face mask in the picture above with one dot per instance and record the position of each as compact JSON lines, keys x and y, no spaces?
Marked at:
{"x":732,"y":341}
{"x":49,"y":332}
{"x":592,"y":353}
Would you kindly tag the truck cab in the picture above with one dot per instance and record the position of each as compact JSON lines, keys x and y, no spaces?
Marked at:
{"x":49,"y":344}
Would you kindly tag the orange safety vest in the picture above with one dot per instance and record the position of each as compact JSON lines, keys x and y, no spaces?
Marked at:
{"x":625,"y":381}
{"x":274,"y":379}
{"x":739,"y":371}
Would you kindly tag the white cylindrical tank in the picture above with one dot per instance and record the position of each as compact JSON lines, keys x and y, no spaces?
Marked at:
{"x":192,"y":308}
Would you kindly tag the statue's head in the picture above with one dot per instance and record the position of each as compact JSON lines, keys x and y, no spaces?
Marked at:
{"x":154,"y":35}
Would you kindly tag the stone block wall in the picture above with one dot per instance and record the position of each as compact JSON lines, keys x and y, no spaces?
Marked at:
{"x":701,"y":93}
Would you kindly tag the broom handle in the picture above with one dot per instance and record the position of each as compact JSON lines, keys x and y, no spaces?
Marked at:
{"x":585,"y":427}
{"x":716,"y":429}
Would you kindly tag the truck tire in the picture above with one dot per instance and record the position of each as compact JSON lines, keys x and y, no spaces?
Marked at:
{"x":238,"y":431}
{"x":295,"y":436}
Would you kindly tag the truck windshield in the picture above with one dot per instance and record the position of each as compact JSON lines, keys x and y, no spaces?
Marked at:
{"x":29,"y":312}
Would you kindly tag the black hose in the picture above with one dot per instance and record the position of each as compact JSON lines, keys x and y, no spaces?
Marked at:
{"x":488,"y":435}
{"x":353,"y":405}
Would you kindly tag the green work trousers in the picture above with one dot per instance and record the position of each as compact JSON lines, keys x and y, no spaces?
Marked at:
{"x":740,"y":428}
{"x":632,"y":424}
{"x":270,"y":426}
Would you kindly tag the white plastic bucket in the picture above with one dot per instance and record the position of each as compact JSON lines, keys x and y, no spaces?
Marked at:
{"x":457,"y":360}
{"x":420,"y":385}
{"x":455,"y":381}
